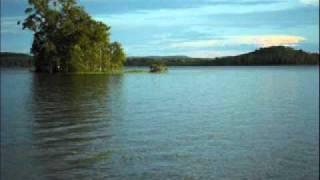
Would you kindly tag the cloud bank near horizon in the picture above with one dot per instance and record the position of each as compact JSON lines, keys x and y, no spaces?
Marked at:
{"x":311,"y":2}
{"x":259,"y":41}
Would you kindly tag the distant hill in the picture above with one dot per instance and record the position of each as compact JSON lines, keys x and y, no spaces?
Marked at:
{"x":276,"y":55}
{"x":15,"y":60}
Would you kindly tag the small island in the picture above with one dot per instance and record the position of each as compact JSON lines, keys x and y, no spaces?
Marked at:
{"x":67,"y":39}
{"x":158,"y":68}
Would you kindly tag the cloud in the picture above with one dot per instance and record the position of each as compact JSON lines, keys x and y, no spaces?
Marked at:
{"x":197,"y":28}
{"x":271,"y":40}
{"x":310,"y":2}
{"x":211,"y":53}
{"x":260,"y":41}
{"x":126,"y":6}
{"x":9,"y":25}
{"x":210,"y":15}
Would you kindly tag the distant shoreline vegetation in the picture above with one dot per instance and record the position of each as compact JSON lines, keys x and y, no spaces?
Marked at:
{"x":67,"y":39}
{"x":277,"y":55}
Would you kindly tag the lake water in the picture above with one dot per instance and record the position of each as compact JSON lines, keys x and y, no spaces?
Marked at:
{"x":190,"y":123}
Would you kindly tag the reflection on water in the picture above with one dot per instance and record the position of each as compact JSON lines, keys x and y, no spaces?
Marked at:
{"x":190,"y":123}
{"x":72,"y":115}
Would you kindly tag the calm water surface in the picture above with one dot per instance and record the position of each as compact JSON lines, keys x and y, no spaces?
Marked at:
{"x":191,"y":123}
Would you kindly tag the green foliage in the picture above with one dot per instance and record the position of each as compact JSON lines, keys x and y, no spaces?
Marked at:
{"x":277,"y":55}
{"x":67,"y":39}
{"x":265,"y":56}
{"x":117,"y":55}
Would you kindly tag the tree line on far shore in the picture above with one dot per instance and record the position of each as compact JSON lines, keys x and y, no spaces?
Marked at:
{"x":278,"y":55}
{"x":16,"y":60}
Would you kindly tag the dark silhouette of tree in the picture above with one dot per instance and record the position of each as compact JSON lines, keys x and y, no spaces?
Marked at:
{"x":67,"y":39}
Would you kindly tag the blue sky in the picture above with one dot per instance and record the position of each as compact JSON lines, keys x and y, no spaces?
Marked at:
{"x":196,"y":28}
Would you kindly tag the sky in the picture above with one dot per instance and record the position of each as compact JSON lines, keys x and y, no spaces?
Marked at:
{"x":195,"y":28}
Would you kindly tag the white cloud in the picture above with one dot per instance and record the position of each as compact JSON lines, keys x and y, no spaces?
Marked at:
{"x":199,"y":44}
{"x":186,"y":16}
{"x":310,"y":2}
{"x":271,"y":40}
{"x":211,"y":53}
{"x":9,"y":25}
{"x":260,"y":41}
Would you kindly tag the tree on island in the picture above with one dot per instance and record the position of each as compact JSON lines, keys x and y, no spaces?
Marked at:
{"x":67,"y":39}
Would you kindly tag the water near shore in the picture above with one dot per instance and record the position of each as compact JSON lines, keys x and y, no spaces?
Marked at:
{"x":189,"y":123}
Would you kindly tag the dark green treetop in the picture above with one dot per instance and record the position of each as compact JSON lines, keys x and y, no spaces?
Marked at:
{"x":67,"y":39}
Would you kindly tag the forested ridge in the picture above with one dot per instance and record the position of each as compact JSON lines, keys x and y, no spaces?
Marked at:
{"x":277,"y":55}
{"x":15,"y":60}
